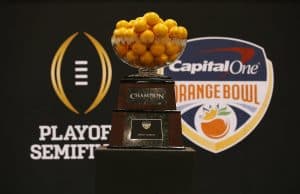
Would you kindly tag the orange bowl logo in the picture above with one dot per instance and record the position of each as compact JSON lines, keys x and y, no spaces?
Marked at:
{"x":223,"y":89}
{"x":81,"y":73}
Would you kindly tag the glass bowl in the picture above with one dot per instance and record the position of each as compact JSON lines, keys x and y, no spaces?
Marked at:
{"x":147,"y":54}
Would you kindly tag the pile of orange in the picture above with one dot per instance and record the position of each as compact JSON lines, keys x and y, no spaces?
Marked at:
{"x":149,"y":41}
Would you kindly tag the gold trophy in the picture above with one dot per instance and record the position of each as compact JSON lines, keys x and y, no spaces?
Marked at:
{"x":146,"y":113}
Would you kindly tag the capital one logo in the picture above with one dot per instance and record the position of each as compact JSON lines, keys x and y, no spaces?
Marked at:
{"x":81,"y":69}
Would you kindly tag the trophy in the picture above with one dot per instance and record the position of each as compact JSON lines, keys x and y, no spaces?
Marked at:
{"x":146,"y":115}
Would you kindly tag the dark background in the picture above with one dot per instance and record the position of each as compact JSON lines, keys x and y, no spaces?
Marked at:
{"x":265,"y":162}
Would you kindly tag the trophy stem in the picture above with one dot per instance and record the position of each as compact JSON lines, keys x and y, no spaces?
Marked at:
{"x":148,"y":72}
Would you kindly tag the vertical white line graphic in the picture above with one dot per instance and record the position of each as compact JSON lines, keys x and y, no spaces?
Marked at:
{"x":81,"y":72}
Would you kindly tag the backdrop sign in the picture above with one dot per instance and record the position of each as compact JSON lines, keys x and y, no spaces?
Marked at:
{"x":81,"y":75}
{"x":223,"y":89}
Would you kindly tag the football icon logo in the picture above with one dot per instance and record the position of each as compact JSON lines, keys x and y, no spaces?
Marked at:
{"x":81,"y":75}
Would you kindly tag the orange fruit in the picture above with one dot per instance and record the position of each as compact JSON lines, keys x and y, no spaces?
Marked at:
{"x":170,"y":23}
{"x":162,"y":59}
{"x":160,"y":30}
{"x":157,"y":49}
{"x":215,"y":129}
{"x":147,"y":37}
{"x":152,"y":18}
{"x":131,"y":23}
{"x":178,"y":32}
{"x":122,"y":23}
{"x":172,"y":48}
{"x":173,"y":32}
{"x":146,"y":59}
{"x":182,"y":32}
{"x":121,"y":49}
{"x":131,"y":56}
{"x":140,"y":25}
{"x":129,"y":33}
{"x":138,"y":48}
{"x":120,"y":32}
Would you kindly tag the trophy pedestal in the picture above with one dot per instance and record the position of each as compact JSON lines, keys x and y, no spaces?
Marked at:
{"x":146,"y":114}
{"x":146,"y":171}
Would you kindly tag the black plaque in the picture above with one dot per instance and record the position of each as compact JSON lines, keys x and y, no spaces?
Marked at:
{"x":147,"y":129}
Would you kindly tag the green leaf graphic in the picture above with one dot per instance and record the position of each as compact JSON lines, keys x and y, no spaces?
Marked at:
{"x":223,"y":113}
{"x":223,"y":109}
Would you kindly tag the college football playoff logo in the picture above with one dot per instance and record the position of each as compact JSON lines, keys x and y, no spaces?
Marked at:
{"x":81,"y":73}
